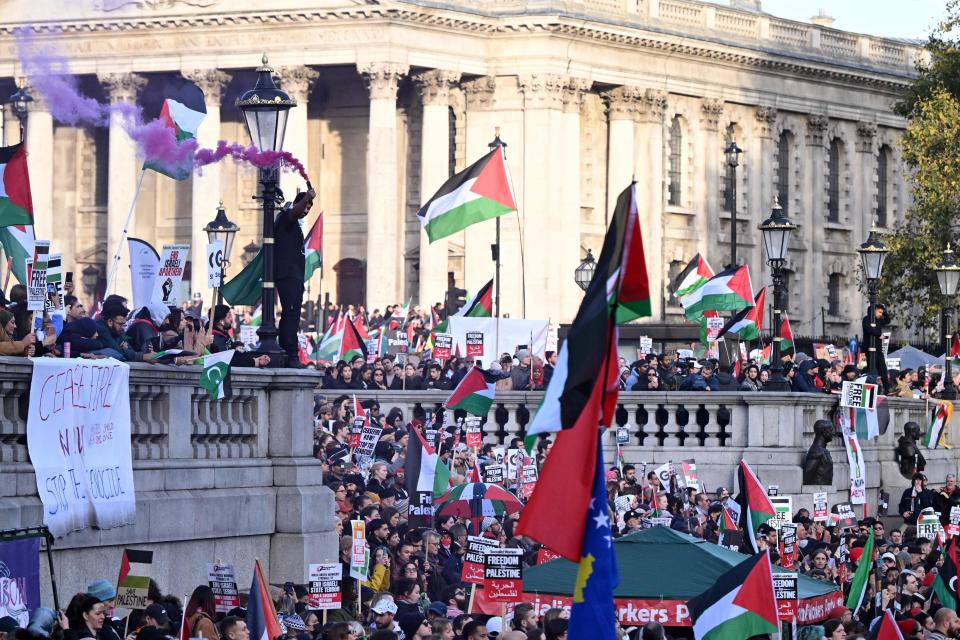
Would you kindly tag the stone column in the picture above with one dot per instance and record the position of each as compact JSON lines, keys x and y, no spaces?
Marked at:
{"x":815,"y":217}
{"x":206,"y":186}
{"x":434,"y":87}
{"x":866,"y":146}
{"x":383,"y":207}
{"x":123,"y":169}
{"x":542,"y":165}
{"x":298,"y":82}
{"x":761,"y":190}
{"x":39,"y":138}
{"x":478,"y":264}
{"x":623,"y":106}
{"x":568,"y":248}
{"x":714,"y":165}
{"x":651,"y":212}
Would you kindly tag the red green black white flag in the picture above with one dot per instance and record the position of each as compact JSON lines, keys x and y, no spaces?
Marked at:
{"x":16,"y":203}
{"x":755,"y":506}
{"x":184,"y":108}
{"x":480,"y":305}
{"x":741,"y":604}
{"x":475,"y":392}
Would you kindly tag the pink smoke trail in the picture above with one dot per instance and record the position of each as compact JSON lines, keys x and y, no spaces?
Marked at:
{"x":48,"y":73}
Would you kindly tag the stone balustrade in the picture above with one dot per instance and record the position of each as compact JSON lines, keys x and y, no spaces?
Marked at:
{"x":704,"y":20}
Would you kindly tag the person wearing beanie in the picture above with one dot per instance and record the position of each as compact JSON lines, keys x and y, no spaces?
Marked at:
{"x":414,"y":625}
{"x":7,"y":626}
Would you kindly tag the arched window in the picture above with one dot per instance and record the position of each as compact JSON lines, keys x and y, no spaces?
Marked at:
{"x":883,"y":168}
{"x":452,"y":136}
{"x":833,"y":182}
{"x":783,"y":172}
{"x":676,"y":161}
{"x":833,"y":294}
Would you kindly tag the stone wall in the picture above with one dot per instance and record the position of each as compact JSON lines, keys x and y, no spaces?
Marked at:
{"x":222,"y":481}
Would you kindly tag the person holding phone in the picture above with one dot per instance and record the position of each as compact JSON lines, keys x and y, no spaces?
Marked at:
{"x":26,"y":346}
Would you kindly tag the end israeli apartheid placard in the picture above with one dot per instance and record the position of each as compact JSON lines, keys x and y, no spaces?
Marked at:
{"x":78,"y":436}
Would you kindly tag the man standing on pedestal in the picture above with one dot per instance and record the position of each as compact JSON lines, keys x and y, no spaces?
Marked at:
{"x":289,"y":264}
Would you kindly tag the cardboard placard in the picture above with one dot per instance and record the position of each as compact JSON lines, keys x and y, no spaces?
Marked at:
{"x":649,"y":523}
{"x":373,"y":350}
{"x":359,"y":554}
{"x":132,"y":594}
{"x":782,"y":509}
{"x":786,"y":591}
{"x":623,"y":435}
{"x":646,"y":345}
{"x":845,"y":516}
{"x":475,"y":343}
{"x":173,"y":261}
{"x":248,"y":335}
{"x":473,"y":559}
{"x":36,"y":284}
{"x":858,"y":395}
{"x":690,"y":476}
{"x":369,"y":436}
{"x":324,"y":585}
{"x":442,"y":346}
{"x":474,"y":434}
{"x":528,"y":479}
{"x":55,"y":281}
{"x":820,"y":513}
{"x":503,"y":574}
{"x":223,"y":581}
{"x":787,"y":540}
{"x":928,"y":526}
{"x":356,"y":430}
{"x":397,"y":342}
{"x":214,"y":263}
{"x":714,"y":325}
{"x":493,"y":474}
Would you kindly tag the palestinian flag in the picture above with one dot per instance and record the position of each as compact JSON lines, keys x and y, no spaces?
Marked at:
{"x":580,"y":363}
{"x":329,"y":346}
{"x":748,"y":323}
{"x":945,"y":585}
{"x":19,"y":245}
{"x":694,"y":276}
{"x":475,"y":393}
{"x":351,"y":343}
{"x":741,"y":604}
{"x":730,"y":518}
{"x":786,"y":335}
{"x":16,"y":204}
{"x":861,"y":578}
{"x":441,"y":479}
{"x":479,"y":192}
{"x":936,"y":432}
{"x":480,"y":306}
{"x":729,"y":290}
{"x":261,"y":615}
{"x":420,"y":464}
{"x":182,"y":112}
{"x":135,"y":562}
{"x":166,"y":356}
{"x":313,"y":248}
{"x":215,"y":377}
{"x":755,"y":506}
{"x":245,"y":287}
{"x":583,"y":390}
{"x":887,"y":628}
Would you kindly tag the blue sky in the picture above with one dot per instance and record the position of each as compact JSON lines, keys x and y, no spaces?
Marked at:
{"x":890,"y":18}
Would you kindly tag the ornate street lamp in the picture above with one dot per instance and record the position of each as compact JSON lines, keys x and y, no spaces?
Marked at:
{"x":583,"y":274}
{"x":776,"y":232}
{"x":872,"y":255}
{"x":732,"y":153}
{"x":265,"y":109}
{"x":20,"y":103}
{"x":948,"y":276}
{"x":223,"y":230}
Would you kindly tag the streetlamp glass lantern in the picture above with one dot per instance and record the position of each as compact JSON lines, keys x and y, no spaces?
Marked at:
{"x":776,"y":232}
{"x":732,"y":152}
{"x":584,"y":273}
{"x":20,"y":102}
{"x":223,"y":229}
{"x":948,"y":273}
{"x":265,"y":109}
{"x":873,"y":253}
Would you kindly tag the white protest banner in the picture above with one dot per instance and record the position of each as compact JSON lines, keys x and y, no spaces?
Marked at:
{"x":820,"y":507}
{"x":214,"y":263}
{"x":324,"y":582}
{"x":173,"y":260}
{"x":144,"y":267}
{"x":487,"y":338}
{"x":782,"y":511}
{"x":78,"y":437}
{"x":223,"y":581}
{"x":858,"y":467}
{"x":858,"y":395}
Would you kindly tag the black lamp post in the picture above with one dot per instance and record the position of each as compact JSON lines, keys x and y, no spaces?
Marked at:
{"x":265,"y":109}
{"x":732,"y":152}
{"x":776,"y":239}
{"x":872,"y":254}
{"x":223,"y":230}
{"x":583,"y":274}
{"x":20,"y":103}
{"x":948,"y":276}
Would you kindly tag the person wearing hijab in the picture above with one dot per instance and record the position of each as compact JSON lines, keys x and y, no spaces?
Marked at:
{"x":145,"y":325}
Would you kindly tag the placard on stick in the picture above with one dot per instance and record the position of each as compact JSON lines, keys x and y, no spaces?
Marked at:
{"x":132,"y":594}
{"x":503,"y":574}
{"x":223,"y":581}
{"x":475,"y":343}
{"x":474,"y":434}
{"x":442,"y":346}
{"x":324,"y":592}
{"x":473,"y":559}
{"x":173,"y":261}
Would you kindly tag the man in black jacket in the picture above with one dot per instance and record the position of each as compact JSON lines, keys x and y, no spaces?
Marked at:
{"x":289,"y":264}
{"x":872,"y":334}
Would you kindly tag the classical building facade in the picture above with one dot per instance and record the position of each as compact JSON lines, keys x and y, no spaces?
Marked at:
{"x":394,"y":95}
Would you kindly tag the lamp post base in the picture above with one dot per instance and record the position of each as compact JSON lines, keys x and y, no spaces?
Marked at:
{"x":949,"y":393}
{"x":777,"y":383}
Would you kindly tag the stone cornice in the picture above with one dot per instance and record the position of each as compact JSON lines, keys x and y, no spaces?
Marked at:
{"x":542,"y":90}
{"x":210,"y":81}
{"x":479,"y":93}
{"x":623,"y":103}
{"x":855,"y":71}
{"x":382,"y":78}
{"x":122,"y":87}
{"x":297,"y":80}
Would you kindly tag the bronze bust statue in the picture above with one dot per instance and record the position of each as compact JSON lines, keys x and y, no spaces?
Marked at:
{"x":907,"y":454}
{"x":818,"y":465}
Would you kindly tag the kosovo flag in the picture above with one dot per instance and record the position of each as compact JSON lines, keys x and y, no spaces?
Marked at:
{"x":593,"y":615}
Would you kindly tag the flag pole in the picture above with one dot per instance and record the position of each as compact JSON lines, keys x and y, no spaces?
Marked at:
{"x":123,"y":236}
{"x":497,"y":142}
